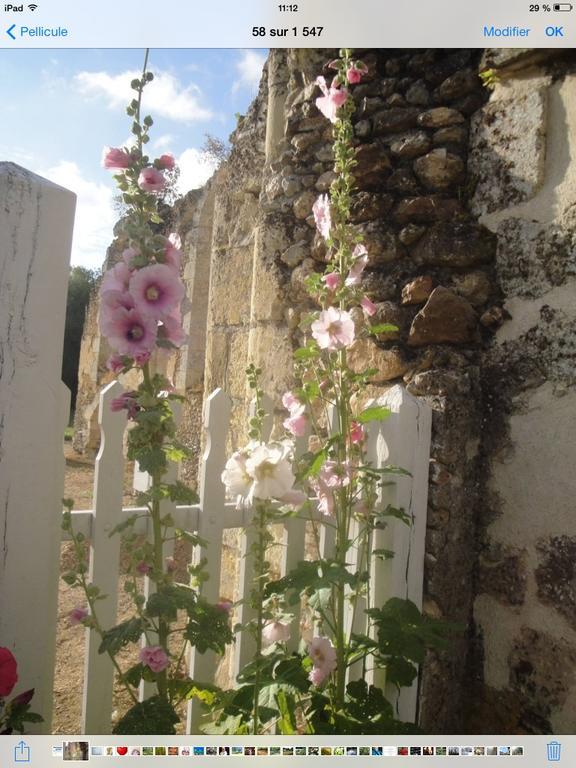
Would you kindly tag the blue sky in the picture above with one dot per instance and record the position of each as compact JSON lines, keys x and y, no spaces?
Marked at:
{"x":60,"y":107}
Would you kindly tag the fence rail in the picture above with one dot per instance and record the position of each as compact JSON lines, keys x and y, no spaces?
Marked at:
{"x":402,"y":440}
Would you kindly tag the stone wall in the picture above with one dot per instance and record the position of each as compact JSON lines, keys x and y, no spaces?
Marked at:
{"x":466,"y":213}
{"x":522,"y":149}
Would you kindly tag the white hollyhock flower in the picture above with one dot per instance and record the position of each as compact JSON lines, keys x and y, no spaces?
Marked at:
{"x":270,"y":467}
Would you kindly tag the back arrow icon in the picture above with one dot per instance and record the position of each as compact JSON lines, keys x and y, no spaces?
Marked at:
{"x":9,"y":32}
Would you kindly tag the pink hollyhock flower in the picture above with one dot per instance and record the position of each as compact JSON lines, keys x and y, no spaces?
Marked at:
{"x":334,"y":329}
{"x":275,"y":632}
{"x":356,"y":432}
{"x":332,"y":280}
{"x":323,"y":655}
{"x":77,"y":615}
{"x":224,"y":605}
{"x":126,"y":401}
{"x":116,"y":158}
{"x":322,"y":216}
{"x":171,"y":330}
{"x":360,"y":256}
{"x":116,"y":279}
{"x":111,"y":300}
{"x":115,"y":363}
{"x":172,"y":253}
{"x":151,"y":180}
{"x":157,"y":290}
{"x":369,"y":307}
{"x":154,"y":657}
{"x":334,"y":64}
{"x":8,"y":672}
{"x":296,"y":423}
{"x":290,"y":401}
{"x":294,"y":498}
{"x":331,"y":477}
{"x":129,"y":332}
{"x":143,"y":568}
{"x":128,"y":254}
{"x":356,"y":72}
{"x":332,"y":99}
{"x":165,"y":162}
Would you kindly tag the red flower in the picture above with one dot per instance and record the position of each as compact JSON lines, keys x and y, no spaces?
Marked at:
{"x":8,"y":673}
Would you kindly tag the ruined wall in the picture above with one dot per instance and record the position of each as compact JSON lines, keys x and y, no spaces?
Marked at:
{"x":522,"y":159}
{"x":464,"y":202}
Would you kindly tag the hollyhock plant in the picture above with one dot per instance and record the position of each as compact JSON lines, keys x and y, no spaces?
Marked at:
{"x":323,"y":656}
{"x":356,"y":72}
{"x":16,"y":712}
{"x":140,"y":314}
{"x":78,"y":614}
{"x":8,"y":672}
{"x":360,"y":261}
{"x":332,"y":280}
{"x":368,"y":306}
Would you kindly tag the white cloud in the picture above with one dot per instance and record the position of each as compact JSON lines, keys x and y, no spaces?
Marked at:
{"x":95,"y":216}
{"x":195,"y":169}
{"x":163,"y":142}
{"x":249,"y":68}
{"x":165,"y":96}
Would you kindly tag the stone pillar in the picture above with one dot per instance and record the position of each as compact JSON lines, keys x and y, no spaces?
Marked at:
{"x":36,"y":221}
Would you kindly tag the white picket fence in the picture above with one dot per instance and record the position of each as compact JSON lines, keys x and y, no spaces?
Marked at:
{"x":36,"y":223}
{"x":402,"y":440}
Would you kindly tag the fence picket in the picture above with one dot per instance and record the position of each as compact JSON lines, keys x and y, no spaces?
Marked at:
{"x":104,"y":560}
{"x":212,"y":501}
{"x":404,"y":441}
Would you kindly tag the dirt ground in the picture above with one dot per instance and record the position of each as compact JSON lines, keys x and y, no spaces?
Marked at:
{"x":70,"y":641}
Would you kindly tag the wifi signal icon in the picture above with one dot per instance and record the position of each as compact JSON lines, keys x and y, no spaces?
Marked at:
{"x":33,"y":7}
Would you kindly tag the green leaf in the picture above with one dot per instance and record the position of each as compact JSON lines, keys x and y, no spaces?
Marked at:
{"x":383,"y":328}
{"x":374,"y":413}
{"x":119,"y":636}
{"x":309,"y":352}
{"x":400,"y":672}
{"x":153,"y":716}
{"x":383,"y":554}
{"x":287,"y":707}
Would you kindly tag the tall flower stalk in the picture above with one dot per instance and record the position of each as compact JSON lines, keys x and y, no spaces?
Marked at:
{"x":140,"y":317}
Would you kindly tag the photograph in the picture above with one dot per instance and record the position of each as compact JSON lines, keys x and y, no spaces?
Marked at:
{"x":288,"y":393}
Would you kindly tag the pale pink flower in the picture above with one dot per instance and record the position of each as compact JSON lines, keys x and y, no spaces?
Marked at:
{"x":116,"y":158}
{"x":77,"y":615}
{"x":331,"y":477}
{"x":296,"y":423}
{"x":154,"y":656}
{"x":294,"y":498}
{"x":171,"y":330}
{"x":116,"y":278}
{"x":128,"y":255}
{"x":360,"y":256}
{"x":224,"y":605}
{"x":368,"y":306}
{"x":355,"y":72}
{"x":334,"y":329}
{"x":332,"y":280}
{"x":166,"y":162}
{"x":144,"y":568}
{"x":151,"y":180}
{"x":332,"y":99}
{"x":275,"y":632}
{"x":156,"y":289}
{"x":290,"y":401}
{"x":323,"y":655}
{"x":356,"y":432}
{"x":322,"y":216}
{"x":141,"y":358}
{"x":172,"y":253}
{"x":128,"y":331}
{"x":111,"y":300}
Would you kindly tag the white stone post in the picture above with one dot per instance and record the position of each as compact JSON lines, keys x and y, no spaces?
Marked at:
{"x":36,"y":221}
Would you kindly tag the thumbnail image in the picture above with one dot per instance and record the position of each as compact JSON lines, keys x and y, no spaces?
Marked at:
{"x":173,"y":751}
{"x":503,"y":750}
{"x":262,"y":751}
{"x":198,"y":750}
{"x":491,"y":750}
{"x":479,"y":750}
{"x":351,"y":751}
{"x":363,"y":751}
{"x":249,"y":751}
{"x":278,"y":750}
{"x":147,"y":751}
{"x":453,"y":750}
{"x":315,"y":751}
{"x":427,"y":750}
{"x":403,"y":751}
{"x":517,"y":750}
{"x":415,"y":750}
{"x":160,"y":751}
{"x":467,"y":751}
{"x":300,"y":751}
{"x":223,"y":750}
{"x":76,"y":750}
{"x":134,"y":751}
{"x":440,"y":750}
{"x":211,"y":751}
{"x":377,"y":751}
{"x":185,"y":751}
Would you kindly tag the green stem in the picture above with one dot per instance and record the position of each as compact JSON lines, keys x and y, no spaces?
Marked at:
{"x":258,"y":603}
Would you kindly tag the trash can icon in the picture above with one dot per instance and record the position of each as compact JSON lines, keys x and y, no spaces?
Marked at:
{"x":554,"y":748}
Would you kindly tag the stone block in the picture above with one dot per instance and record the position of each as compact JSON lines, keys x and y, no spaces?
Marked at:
{"x":439,"y":170}
{"x":445,"y":319}
{"x":390,"y":364}
{"x":456,"y":244}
